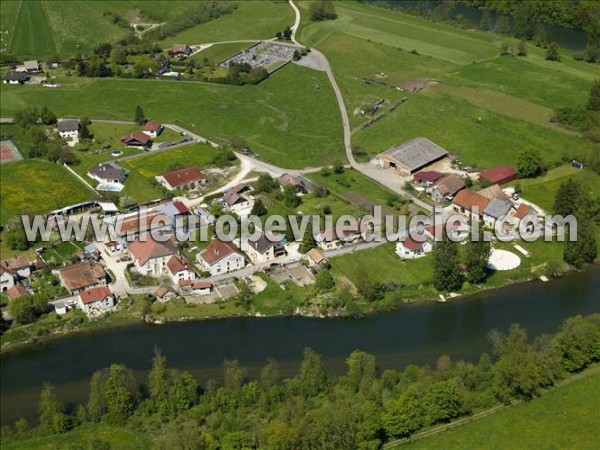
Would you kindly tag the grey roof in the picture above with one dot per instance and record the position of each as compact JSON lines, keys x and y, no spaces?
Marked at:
{"x":31,"y":65}
{"x":108,"y":171}
{"x":13,"y":75}
{"x":497,"y":208}
{"x":263,"y":244}
{"x":450,"y":184}
{"x":67,"y":124}
{"x":416,"y":153}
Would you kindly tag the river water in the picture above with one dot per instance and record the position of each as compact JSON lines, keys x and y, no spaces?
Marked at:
{"x":416,"y":334}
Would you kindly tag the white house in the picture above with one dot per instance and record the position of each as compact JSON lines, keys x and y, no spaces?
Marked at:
{"x":19,"y":266}
{"x":221,"y":257}
{"x":262,"y":250}
{"x":202,"y":287}
{"x":96,"y":300}
{"x":108,"y":172}
{"x":7,"y":279}
{"x":189,"y":177}
{"x":150,"y":257}
{"x":68,"y":128}
{"x":411,"y":248}
{"x":153,"y":129}
{"x":414,"y":248}
{"x":179,"y":271}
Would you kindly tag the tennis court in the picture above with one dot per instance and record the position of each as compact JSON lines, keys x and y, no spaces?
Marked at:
{"x":9,"y":152}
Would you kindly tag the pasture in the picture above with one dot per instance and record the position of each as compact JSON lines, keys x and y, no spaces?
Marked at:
{"x":37,"y":186}
{"x":291,"y":119}
{"x":32,"y":35}
{"x":564,"y":417}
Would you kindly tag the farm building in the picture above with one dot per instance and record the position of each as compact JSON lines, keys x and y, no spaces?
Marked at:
{"x":137,"y":139}
{"x":32,"y":66}
{"x":14,"y":77}
{"x":499,"y":175}
{"x":190,"y":176}
{"x":426,"y":178}
{"x":68,"y":128}
{"x":107,"y":173}
{"x":446,"y":187}
{"x":412,"y":156}
{"x":180,"y":50}
{"x":153,"y":128}
{"x":81,"y":276}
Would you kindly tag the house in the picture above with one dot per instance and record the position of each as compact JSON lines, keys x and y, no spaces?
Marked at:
{"x":493,"y":191}
{"x":107,"y":173}
{"x":499,"y":175}
{"x":291,"y":180}
{"x":496,"y":209}
{"x":136,"y":139}
{"x":190,"y":177}
{"x":180,"y":50}
{"x":115,"y":247}
{"x":316,"y":258}
{"x":426,"y":178}
{"x":414,"y":248}
{"x":165,"y":293}
{"x":235,"y":198}
{"x":221,"y":257}
{"x":7,"y":279}
{"x":153,"y":128}
{"x":68,"y":128}
{"x":17,"y":291}
{"x":139,"y":224}
{"x":446,"y":187}
{"x":32,"y":66}
{"x":179,"y":271}
{"x":150,"y":257}
{"x":329,"y":239}
{"x":202,"y":287}
{"x":411,"y":156}
{"x":61,"y":308}
{"x":470,"y":203}
{"x":14,"y":77}
{"x":524,"y":211}
{"x":96,"y":300}
{"x":81,"y":276}
{"x":262,"y":250}
{"x":411,"y":248}
{"x":18,"y":265}
{"x":90,"y":251}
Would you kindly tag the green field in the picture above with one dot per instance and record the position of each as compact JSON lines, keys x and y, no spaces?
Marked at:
{"x":291,"y":119}
{"x":564,"y":417}
{"x":250,"y":20}
{"x":32,"y":36}
{"x":38,"y":186}
{"x":218,"y":52}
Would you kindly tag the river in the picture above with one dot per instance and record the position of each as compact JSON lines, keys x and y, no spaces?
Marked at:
{"x":417,"y":333}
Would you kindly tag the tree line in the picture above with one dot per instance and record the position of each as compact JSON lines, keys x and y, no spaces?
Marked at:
{"x":363,"y":408}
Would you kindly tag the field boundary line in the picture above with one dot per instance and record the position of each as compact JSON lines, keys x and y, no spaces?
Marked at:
{"x":8,"y":47}
{"x":57,"y":47}
{"x":80,"y":178}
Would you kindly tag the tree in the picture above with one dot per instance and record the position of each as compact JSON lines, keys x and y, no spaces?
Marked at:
{"x":576,"y":342}
{"x":478,"y":254}
{"x":52,"y":418}
{"x":16,"y":236}
{"x":486,"y":20}
{"x":233,"y":378}
{"x":529,"y":163}
{"x":594,"y":100}
{"x":515,"y":372}
{"x":404,"y":415}
{"x":444,"y":401}
{"x":157,"y":380}
{"x":324,"y":280}
{"x":592,"y":52}
{"x":312,"y":376}
{"x":569,"y":197}
{"x":270,"y":374}
{"x":114,"y":393}
{"x":446,"y":268}
{"x":322,"y":10}
{"x":505,"y":49}
{"x":308,"y":240}
{"x":584,"y":249}
{"x":266,"y":183}
{"x":522,"y":48}
{"x":84,"y":131}
{"x":259,"y":208}
{"x":361,"y":371}
{"x":503,"y":25}
{"x":47,"y":116}
{"x":22,"y":310}
{"x":140,"y":118}
{"x":290,"y":196}
{"x":552,"y":53}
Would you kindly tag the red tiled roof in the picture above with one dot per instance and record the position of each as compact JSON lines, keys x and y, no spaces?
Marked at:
{"x":181,"y":177}
{"x":202,"y":284}
{"x":217,"y":250}
{"x":136,"y":136}
{"x":152,"y":126}
{"x":134,"y":223}
{"x":16,"y":262}
{"x":148,"y":249}
{"x":316,"y":255}
{"x":95,"y":294}
{"x":175,"y":265}
{"x":524,"y":210}
{"x":186,"y":282}
{"x":163,"y":290}
{"x":411,"y":244}
{"x":499,"y":175}
{"x":468,"y":200}
{"x":427,"y":175}
{"x":181,"y":208}
{"x":16,"y":291}
{"x":82,"y":275}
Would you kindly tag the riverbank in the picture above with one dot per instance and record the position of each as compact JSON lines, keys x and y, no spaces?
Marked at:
{"x":138,"y":309}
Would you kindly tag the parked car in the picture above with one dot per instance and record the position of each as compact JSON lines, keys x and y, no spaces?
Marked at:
{"x":116,"y":153}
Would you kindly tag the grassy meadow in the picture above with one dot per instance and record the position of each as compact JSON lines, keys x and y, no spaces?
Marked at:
{"x":37,"y":186}
{"x":290,"y":119}
{"x":564,"y":417}
{"x":32,"y":35}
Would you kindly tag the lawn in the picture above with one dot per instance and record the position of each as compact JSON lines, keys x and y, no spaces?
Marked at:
{"x":291,"y":119}
{"x":452,"y":123}
{"x":89,"y":435}
{"x":250,"y":20}
{"x":33,"y":36}
{"x":32,"y":186}
{"x":564,"y":417}
{"x":542,"y":190}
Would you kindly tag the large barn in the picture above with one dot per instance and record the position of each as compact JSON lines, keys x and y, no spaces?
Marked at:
{"x":412,"y":155}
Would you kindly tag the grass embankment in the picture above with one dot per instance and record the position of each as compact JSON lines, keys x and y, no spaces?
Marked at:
{"x":290,"y":119}
{"x":563,"y":417}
